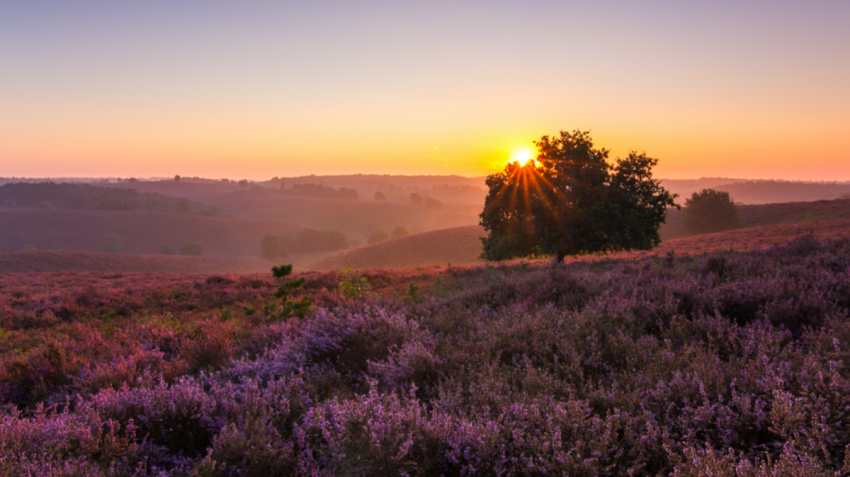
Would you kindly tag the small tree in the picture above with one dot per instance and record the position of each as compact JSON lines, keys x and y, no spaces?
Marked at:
{"x":377,"y":236}
{"x":176,"y":178}
{"x":416,"y":199}
{"x":271,"y":247}
{"x":710,"y":211}
{"x":380,"y":197}
{"x":288,"y":307}
{"x":432,"y":203}
{"x":571,"y":201}
{"x":399,"y":232}
{"x":167,"y":250}
{"x":192,"y":248}
{"x":111,"y":244}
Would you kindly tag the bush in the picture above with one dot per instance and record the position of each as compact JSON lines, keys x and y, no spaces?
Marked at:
{"x":377,"y":236}
{"x":167,"y":250}
{"x":380,"y":197}
{"x":312,"y":240}
{"x":45,"y":205}
{"x":271,"y":247}
{"x":192,"y":248}
{"x":432,"y":203}
{"x":111,"y":244}
{"x":399,"y":232}
{"x":710,"y":211}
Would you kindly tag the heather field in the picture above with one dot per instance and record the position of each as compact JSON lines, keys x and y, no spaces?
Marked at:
{"x":728,"y":363}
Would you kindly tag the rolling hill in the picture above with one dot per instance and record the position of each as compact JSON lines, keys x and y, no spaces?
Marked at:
{"x":461,"y":245}
{"x":458,"y":246}
{"x":355,"y":218}
{"x":140,"y":232}
{"x":765,"y":214}
{"x":30,"y":262}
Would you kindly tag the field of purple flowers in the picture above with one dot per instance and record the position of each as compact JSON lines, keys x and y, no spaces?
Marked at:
{"x":725,"y":364}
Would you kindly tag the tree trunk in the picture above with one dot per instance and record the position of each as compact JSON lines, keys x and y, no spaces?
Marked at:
{"x":559,"y":258}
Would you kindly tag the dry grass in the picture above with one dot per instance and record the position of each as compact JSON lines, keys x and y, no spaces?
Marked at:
{"x":458,"y":246}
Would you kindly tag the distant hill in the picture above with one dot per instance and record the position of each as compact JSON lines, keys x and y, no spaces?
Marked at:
{"x":769,"y":192}
{"x":28,"y":262}
{"x":356,"y":218}
{"x":140,"y":232}
{"x":50,"y":195}
{"x":206,"y":191}
{"x":458,"y":246}
{"x":753,"y":192}
{"x":764,"y":214}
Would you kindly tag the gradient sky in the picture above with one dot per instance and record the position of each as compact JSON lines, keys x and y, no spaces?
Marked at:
{"x":757,"y":89}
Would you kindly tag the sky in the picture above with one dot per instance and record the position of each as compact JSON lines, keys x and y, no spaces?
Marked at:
{"x":249,"y":89}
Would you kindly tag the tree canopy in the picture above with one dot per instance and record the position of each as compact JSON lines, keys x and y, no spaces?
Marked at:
{"x":571,"y":201}
{"x":710,"y":210}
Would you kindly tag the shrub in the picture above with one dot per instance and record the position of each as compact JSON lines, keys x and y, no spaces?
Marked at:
{"x":380,"y":197}
{"x":416,"y":199}
{"x":432,"y":203}
{"x":353,"y":284}
{"x":399,"y":232}
{"x":271,"y":247}
{"x":192,"y":248}
{"x":377,"y":236}
{"x":111,"y":244}
{"x":45,"y":205}
{"x":167,"y":250}
{"x":710,"y":211}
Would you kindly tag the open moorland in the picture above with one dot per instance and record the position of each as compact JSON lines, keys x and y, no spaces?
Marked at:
{"x":140,"y":232}
{"x":26,"y":262}
{"x":728,"y":363}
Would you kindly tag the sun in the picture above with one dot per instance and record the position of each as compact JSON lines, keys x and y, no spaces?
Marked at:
{"x":522,"y":155}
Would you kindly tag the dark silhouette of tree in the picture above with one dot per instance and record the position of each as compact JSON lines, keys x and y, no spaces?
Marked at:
{"x":177,"y":178}
{"x":399,"y":232}
{"x":710,"y":211}
{"x":416,"y":199}
{"x":271,"y":247}
{"x":571,"y":201}
{"x":111,"y":244}
{"x":380,"y":197}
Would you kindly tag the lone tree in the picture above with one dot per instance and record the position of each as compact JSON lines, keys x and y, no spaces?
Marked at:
{"x":271,"y":247}
{"x":571,"y":201}
{"x":710,"y":211}
{"x":111,"y":243}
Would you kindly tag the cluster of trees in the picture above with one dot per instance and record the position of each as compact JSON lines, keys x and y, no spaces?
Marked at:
{"x":425,"y":201}
{"x":319,"y":191}
{"x":379,"y":236}
{"x":49,"y":195}
{"x":276,"y":247}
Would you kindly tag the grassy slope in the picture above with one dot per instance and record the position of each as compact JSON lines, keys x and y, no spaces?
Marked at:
{"x":354,"y":217}
{"x":765,"y":214}
{"x":28,"y":262}
{"x":140,"y":232}
{"x":461,"y":246}
{"x":458,"y":246}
